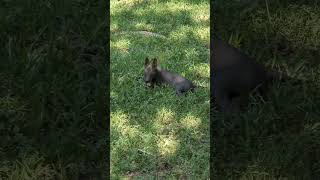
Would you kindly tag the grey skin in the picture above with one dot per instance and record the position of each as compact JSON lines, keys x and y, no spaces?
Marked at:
{"x":235,"y":76}
{"x":154,"y":75}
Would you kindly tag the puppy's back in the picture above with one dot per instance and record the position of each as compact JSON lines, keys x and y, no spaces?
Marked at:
{"x":234,"y":72}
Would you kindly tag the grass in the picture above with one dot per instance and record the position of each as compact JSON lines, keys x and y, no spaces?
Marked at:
{"x":278,"y":139}
{"x":154,"y":133}
{"x":52,"y":89}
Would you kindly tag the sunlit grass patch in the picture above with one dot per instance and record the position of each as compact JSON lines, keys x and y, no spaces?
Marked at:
{"x":201,"y":13}
{"x":122,"y":45}
{"x":190,"y":122}
{"x":144,"y":26}
{"x":202,"y":33}
{"x":174,"y":6}
{"x":165,"y":116}
{"x":201,"y":18}
{"x":167,"y":145}
{"x":201,"y":70}
{"x":121,"y":123}
{"x":191,"y":53}
{"x":182,"y":32}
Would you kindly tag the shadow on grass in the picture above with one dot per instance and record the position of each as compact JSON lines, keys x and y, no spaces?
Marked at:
{"x":279,"y":138}
{"x":53,"y":61}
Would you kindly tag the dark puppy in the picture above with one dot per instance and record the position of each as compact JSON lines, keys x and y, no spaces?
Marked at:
{"x":235,"y":75}
{"x":154,"y":75}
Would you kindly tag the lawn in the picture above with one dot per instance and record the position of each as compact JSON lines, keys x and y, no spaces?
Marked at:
{"x":154,"y":133}
{"x":52,"y":89}
{"x":279,"y":138}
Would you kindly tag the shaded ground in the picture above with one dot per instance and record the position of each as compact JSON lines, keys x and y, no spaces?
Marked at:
{"x":279,"y":138}
{"x":52,"y":89}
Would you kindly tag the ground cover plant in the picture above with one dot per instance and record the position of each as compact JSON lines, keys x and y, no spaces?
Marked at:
{"x":279,"y":138}
{"x":155,"y":133}
{"x":52,"y":89}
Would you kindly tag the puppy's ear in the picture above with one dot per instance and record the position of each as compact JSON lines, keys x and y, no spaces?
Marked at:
{"x":146,"y":61}
{"x":154,"y":62}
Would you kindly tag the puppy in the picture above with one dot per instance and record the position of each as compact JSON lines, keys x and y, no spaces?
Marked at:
{"x":154,"y":75}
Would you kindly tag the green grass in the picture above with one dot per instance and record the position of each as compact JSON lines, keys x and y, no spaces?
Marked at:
{"x":278,"y":139}
{"x":154,"y":132}
{"x":51,"y":93}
